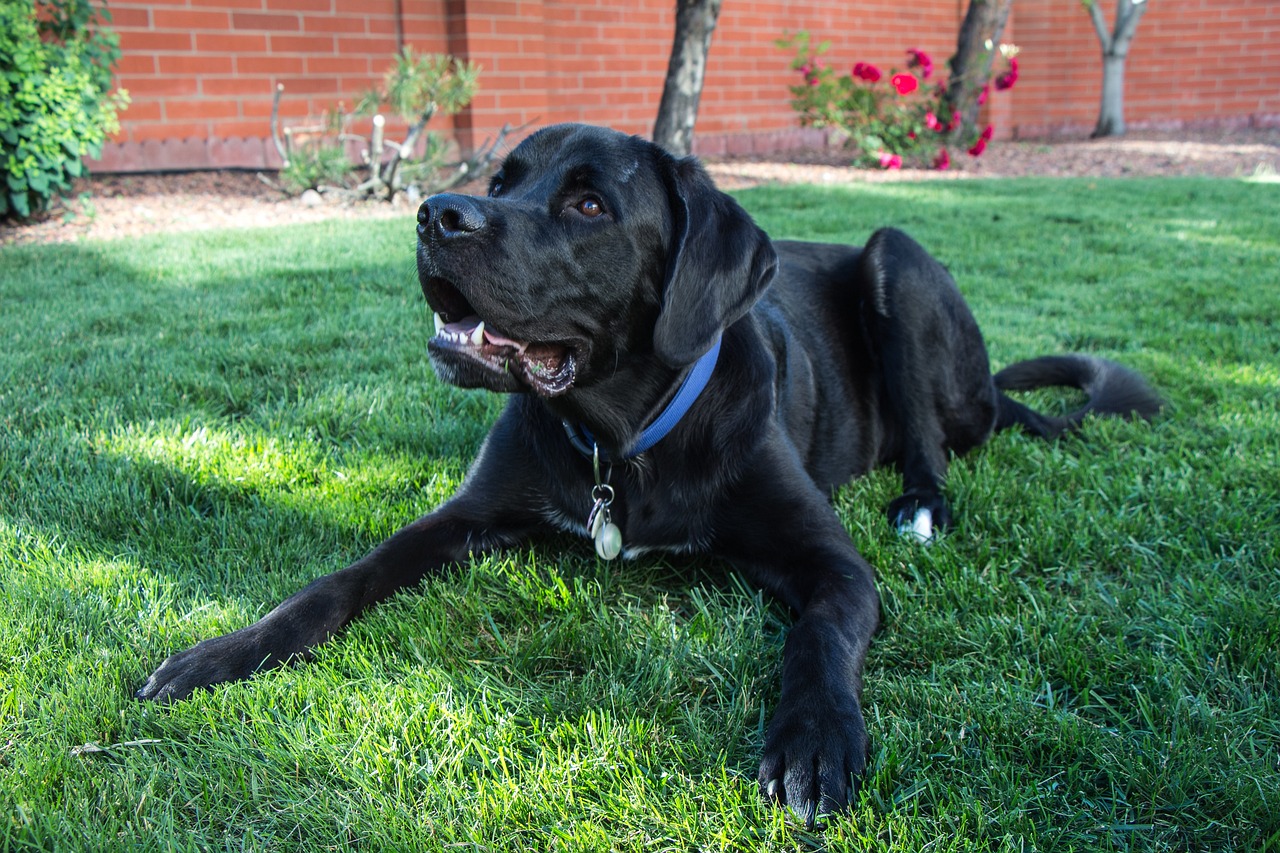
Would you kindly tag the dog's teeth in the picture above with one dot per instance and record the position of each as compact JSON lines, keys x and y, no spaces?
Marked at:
{"x":439,"y":321}
{"x":477,"y":336}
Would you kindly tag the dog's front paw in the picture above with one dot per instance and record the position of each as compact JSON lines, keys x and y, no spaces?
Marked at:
{"x":815,"y":755}
{"x":230,"y":657}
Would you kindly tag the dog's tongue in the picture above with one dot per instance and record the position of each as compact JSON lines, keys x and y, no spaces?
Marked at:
{"x":498,"y":340}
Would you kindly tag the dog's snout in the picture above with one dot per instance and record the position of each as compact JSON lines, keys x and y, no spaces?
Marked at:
{"x":448,"y":215}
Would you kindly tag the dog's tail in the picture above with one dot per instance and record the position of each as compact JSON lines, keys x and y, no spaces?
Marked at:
{"x":1113,"y":389}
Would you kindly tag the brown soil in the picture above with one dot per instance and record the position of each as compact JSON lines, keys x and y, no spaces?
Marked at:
{"x":122,"y":205}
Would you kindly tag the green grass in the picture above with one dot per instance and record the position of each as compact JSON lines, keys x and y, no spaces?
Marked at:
{"x":192,"y":426}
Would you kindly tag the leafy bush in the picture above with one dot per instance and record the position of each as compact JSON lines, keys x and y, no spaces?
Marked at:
{"x":55,"y":71}
{"x":892,"y":118}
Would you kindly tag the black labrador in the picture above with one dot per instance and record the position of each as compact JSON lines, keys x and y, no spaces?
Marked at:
{"x":682,"y":383}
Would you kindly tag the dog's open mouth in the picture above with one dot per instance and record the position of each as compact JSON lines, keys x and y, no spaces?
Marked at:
{"x":547,"y":368}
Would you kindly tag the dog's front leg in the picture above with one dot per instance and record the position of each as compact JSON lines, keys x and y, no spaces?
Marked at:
{"x":487,"y":513}
{"x":816,"y":745}
{"x":792,"y":543}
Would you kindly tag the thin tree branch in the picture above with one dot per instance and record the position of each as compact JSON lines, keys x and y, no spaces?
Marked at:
{"x":480,"y":160}
{"x":1099,"y":24}
{"x":275,"y":124}
{"x":1127,"y":17}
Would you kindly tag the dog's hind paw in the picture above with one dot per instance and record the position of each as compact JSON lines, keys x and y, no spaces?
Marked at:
{"x":919,"y":517}
{"x":920,"y":528}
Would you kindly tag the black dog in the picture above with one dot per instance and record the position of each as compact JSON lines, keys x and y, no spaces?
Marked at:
{"x":685,"y":384}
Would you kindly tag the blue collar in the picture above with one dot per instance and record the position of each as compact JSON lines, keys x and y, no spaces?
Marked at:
{"x":585,"y":443}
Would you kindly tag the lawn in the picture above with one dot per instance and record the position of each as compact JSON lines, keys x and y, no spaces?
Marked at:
{"x":193,"y":426}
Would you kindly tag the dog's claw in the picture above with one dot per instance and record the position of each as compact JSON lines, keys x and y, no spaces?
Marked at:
{"x":813,"y":762}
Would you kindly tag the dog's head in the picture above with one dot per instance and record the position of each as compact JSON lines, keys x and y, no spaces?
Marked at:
{"x":592,"y":249}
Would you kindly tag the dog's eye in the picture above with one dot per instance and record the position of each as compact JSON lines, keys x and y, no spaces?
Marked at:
{"x":495,"y":187}
{"x":590,"y":207}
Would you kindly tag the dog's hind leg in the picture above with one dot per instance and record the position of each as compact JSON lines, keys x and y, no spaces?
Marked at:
{"x":936,"y":390}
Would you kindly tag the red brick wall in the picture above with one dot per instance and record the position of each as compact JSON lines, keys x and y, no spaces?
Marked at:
{"x":201,"y":72}
{"x":1193,"y":61}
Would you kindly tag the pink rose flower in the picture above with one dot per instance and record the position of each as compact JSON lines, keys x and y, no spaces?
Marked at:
{"x":890,"y":161}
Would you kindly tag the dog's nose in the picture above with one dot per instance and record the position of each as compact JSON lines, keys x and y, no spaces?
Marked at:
{"x":448,"y":215}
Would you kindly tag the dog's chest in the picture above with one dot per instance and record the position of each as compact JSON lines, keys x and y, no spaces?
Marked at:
{"x":648,"y":517}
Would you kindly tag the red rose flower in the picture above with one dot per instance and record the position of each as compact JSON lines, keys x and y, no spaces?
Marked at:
{"x":866,"y":71}
{"x":890,"y":161}
{"x":905,"y":83}
{"x":1007,"y":79}
{"x":942,"y":162}
{"x":920,"y":59}
{"x":978,"y":148}
{"x":984,"y":94}
{"x":986,"y":134}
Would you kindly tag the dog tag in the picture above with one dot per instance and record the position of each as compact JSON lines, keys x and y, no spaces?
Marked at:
{"x":598,"y":518}
{"x":609,"y":541}
{"x":607,"y":536}
{"x":600,"y":526}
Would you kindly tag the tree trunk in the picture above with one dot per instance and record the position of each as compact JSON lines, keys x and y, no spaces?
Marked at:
{"x":678,"y":110}
{"x":971,"y":65}
{"x":1111,"y":113}
{"x":1115,"y":50}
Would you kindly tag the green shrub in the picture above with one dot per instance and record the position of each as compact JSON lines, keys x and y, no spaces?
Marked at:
{"x":313,"y":166}
{"x":56,"y":58}
{"x":417,"y":88}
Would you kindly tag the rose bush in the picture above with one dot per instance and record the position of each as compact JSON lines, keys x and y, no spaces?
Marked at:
{"x":890,"y":118}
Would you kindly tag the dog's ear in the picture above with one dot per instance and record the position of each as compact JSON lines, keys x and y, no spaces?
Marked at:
{"x":718,"y":265}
